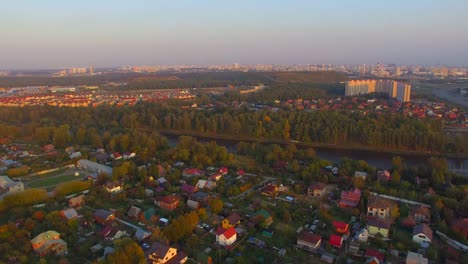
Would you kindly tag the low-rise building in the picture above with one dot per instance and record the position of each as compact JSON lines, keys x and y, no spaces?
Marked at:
{"x":169,"y":202}
{"x":350,"y":199}
{"x":9,"y":186}
{"x":422,"y":233}
{"x":317,"y":190}
{"x":231,"y":221}
{"x":421,"y":214}
{"x":309,"y":241}
{"x":378,"y":226}
{"x":226,"y":237}
{"x":415,"y":258}
{"x":49,"y":242}
{"x":113,"y":187}
{"x":379,"y":207}
{"x":161,"y":254}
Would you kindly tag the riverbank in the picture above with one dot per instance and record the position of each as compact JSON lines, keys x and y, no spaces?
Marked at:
{"x":394,"y":152}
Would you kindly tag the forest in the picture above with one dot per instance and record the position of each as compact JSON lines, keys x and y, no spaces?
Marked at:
{"x":96,"y":125}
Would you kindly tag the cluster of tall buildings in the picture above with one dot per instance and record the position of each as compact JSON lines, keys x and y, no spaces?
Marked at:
{"x":73,"y":71}
{"x":398,"y":90}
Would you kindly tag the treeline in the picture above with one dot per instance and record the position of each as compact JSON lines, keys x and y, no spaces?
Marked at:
{"x":131,"y":128}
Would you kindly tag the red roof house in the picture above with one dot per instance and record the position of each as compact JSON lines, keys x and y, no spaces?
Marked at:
{"x":341,"y":227}
{"x":350,"y":199}
{"x":336,"y":241}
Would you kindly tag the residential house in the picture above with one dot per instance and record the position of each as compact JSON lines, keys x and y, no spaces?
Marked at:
{"x":317,"y":190}
{"x":77,"y":201}
{"x":134,"y":212}
{"x":200,"y":197}
{"x":69,"y":213}
{"x":9,"y":186}
{"x":422,"y":233}
{"x":231,"y":221}
{"x":191,"y":172}
{"x":341,"y":227}
{"x":223,"y":170}
{"x":188,"y":189}
{"x":309,"y":241}
{"x":415,"y":258}
{"x":116,"y":156}
{"x":204,"y":184}
{"x":378,"y":226}
{"x":379,"y":207}
{"x":336,"y":241}
{"x":421,"y":214}
{"x":128,"y":155}
{"x":371,"y":253}
{"x":384,"y":176}
{"x":115,"y":234}
{"x":161,"y":254}
{"x":262,"y":217}
{"x":141,"y":235}
{"x":103,"y":216}
{"x":350,"y":199}
{"x":48,"y":148}
{"x":148,"y":217}
{"x":75,"y":155}
{"x":49,"y":242}
{"x":226,"y":237}
{"x":216,"y":176}
{"x":169,"y":202}
{"x":363,"y":235}
{"x":113,"y":187}
{"x":270,"y":190}
{"x":361,"y":174}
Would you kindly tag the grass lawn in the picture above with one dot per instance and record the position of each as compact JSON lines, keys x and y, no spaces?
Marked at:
{"x":53,"y":180}
{"x":404,"y":210}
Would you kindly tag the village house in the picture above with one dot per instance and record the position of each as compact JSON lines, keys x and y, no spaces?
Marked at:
{"x":384,"y":176}
{"x":262,"y":217}
{"x":360,"y":174}
{"x":378,"y":226}
{"x":350,"y":199}
{"x":161,"y":254}
{"x":199,"y":197}
{"x":374,"y":256}
{"x":422,"y":234}
{"x":191,"y":172}
{"x":421,"y":214}
{"x":309,"y":241}
{"x":379,"y":207}
{"x":317,"y":190}
{"x":49,"y":242}
{"x":188,"y":189}
{"x":341,"y":227}
{"x":9,"y":186}
{"x":103,"y":216}
{"x":69,"y":214}
{"x":231,"y":221}
{"x":148,"y":217}
{"x":113,"y":187}
{"x":169,"y":202}
{"x":116,"y":156}
{"x":270,"y":190}
{"x":134,"y":212}
{"x":336,"y":241}
{"x":216,"y":176}
{"x":204,"y":184}
{"x":77,"y":201}
{"x":226,"y":237}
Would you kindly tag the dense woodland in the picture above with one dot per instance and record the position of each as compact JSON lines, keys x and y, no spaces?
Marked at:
{"x":99,"y":126}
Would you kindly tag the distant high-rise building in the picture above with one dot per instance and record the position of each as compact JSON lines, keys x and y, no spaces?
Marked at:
{"x":397,"y":71}
{"x":398,"y":90}
{"x":91,"y":69}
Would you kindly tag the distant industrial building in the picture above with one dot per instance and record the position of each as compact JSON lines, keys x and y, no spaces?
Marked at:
{"x":398,"y":90}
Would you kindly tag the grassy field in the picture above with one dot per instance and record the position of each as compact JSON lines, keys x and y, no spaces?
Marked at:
{"x":53,"y":180}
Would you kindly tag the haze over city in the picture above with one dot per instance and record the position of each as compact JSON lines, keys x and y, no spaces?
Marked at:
{"x":59,"y":34}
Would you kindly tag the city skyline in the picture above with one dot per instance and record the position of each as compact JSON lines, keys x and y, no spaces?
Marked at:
{"x":53,"y":34}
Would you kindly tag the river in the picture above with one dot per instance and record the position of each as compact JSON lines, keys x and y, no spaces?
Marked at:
{"x":376,"y":159}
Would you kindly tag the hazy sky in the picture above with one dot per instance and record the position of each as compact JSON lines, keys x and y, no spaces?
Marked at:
{"x":62,"y":33}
